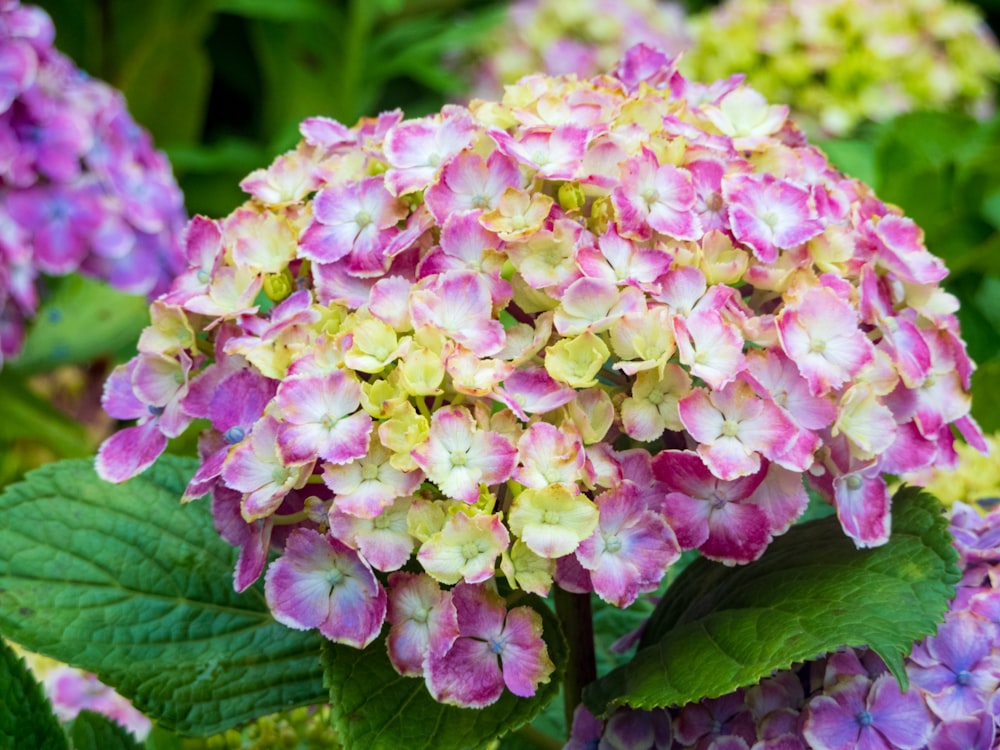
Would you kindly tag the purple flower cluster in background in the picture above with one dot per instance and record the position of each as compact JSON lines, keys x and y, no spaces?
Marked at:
{"x":848,"y":699}
{"x":81,"y":187}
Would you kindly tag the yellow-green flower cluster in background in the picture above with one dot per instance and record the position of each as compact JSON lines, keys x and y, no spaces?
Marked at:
{"x":586,"y":37}
{"x":839,"y":62}
{"x":975,"y":480}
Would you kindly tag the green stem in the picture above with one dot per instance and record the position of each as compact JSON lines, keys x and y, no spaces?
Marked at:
{"x":573,"y":611}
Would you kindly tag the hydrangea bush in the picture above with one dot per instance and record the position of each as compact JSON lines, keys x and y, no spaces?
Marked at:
{"x":841,"y":62}
{"x":848,"y":699}
{"x":82,"y":189}
{"x":548,"y":342}
{"x":586,"y":38}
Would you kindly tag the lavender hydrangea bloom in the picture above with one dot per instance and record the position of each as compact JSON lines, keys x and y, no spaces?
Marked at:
{"x":848,"y":699}
{"x":81,"y":187}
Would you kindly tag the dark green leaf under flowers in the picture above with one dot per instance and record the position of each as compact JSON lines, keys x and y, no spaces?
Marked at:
{"x":718,"y":628}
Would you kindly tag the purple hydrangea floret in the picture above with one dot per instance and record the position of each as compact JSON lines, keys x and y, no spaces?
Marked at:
{"x":82,"y":190}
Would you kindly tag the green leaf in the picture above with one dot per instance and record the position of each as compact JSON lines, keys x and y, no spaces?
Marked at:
{"x":852,"y":157}
{"x":991,"y":208}
{"x":159,"y":56}
{"x":721,"y":628}
{"x":26,"y":416}
{"x":286,"y":10}
{"x":82,"y":319}
{"x":986,"y":402}
{"x":124,"y":581}
{"x":94,"y":731}
{"x":377,"y":709}
{"x":26,"y":718}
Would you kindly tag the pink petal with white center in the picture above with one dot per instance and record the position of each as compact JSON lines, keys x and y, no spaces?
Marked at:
{"x":777,"y":376}
{"x":469,"y":673}
{"x":384,"y":541}
{"x":457,"y":457}
{"x":735,"y":427}
{"x":533,"y":391}
{"x":494,"y":648}
{"x":327,"y":244}
{"x":629,"y":550}
{"x":320,"y":418}
{"x":417,"y":149}
{"x":129,"y":452}
{"x":422,"y":618}
{"x":710,"y":347}
{"x":548,"y":455}
{"x":821,"y":336}
{"x":594,"y":305}
{"x":863,"y":508}
{"x":321,"y":583}
{"x":459,"y":304}
{"x":470,"y":183}
{"x":254,"y":468}
{"x":769,"y":215}
{"x":555,"y":153}
{"x":660,"y":196}
{"x":901,"y":249}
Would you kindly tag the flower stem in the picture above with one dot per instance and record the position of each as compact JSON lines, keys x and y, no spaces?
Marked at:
{"x":573,"y":611}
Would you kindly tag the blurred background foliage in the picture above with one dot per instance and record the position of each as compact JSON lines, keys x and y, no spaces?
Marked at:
{"x":223,"y":84}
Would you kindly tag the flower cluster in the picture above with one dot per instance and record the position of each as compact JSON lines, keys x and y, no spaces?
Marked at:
{"x":585,"y":37}
{"x":81,"y":187}
{"x":557,"y":339}
{"x":848,"y":699}
{"x":838,"y":62}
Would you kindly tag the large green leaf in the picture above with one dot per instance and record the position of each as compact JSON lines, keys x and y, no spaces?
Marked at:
{"x":26,"y":718}
{"x":377,"y":709}
{"x":82,"y":319}
{"x":124,"y":581}
{"x":721,"y":628}
{"x":93,"y":731}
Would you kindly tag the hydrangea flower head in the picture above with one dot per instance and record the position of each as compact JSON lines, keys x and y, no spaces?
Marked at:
{"x":838,"y":62}
{"x":81,"y":187}
{"x":562,"y":353}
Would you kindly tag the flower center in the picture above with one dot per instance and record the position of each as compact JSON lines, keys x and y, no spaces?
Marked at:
{"x":458,"y":458}
{"x":730,"y":428}
{"x":470,"y":550}
{"x":714,"y":202}
{"x":550,"y":517}
{"x":369,"y":472}
{"x":421,"y":614}
{"x":234,"y":435}
{"x":964,"y":677}
{"x":362,"y":218}
{"x":853,"y":483}
{"x":655,"y":397}
{"x":864,"y":719}
{"x":333,"y":577}
{"x":613,"y":544}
